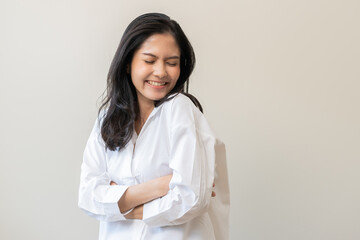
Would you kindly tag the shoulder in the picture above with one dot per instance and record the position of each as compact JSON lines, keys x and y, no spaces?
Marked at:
{"x":185,"y":116}
{"x":181,"y":102}
{"x":99,"y":120}
{"x":180,"y":111}
{"x":96,"y":130}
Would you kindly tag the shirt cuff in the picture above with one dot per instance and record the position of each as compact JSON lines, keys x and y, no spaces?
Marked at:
{"x":150,"y":209}
{"x":113,"y":195}
{"x":159,"y":212}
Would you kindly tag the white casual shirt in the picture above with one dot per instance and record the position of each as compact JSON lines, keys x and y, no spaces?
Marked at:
{"x":176,"y":139}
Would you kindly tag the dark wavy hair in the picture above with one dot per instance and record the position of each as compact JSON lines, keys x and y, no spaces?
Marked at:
{"x":120,"y":102}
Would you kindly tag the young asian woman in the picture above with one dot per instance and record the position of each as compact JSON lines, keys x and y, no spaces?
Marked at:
{"x":152,"y":164}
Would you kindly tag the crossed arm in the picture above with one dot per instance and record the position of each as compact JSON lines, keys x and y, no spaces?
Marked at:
{"x":136,"y":196}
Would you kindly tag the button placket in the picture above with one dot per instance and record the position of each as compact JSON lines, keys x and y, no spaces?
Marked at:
{"x":135,"y":168}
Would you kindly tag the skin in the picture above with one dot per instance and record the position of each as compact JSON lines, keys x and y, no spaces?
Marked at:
{"x":156,"y":60}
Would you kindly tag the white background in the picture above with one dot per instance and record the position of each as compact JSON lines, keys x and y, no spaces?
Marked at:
{"x":278,"y":80}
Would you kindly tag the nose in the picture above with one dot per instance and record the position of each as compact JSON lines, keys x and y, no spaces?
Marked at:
{"x":160,"y":70}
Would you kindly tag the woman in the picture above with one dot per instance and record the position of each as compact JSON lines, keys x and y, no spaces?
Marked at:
{"x":149,"y":164}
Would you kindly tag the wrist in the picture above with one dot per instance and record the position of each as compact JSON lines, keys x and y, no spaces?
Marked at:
{"x":137,"y":213}
{"x":163,"y":186}
{"x":127,"y":212}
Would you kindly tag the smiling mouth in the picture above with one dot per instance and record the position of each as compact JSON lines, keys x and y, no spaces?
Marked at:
{"x":158,"y":84}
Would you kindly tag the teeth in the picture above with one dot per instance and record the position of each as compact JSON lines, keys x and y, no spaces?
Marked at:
{"x":157,"y":83}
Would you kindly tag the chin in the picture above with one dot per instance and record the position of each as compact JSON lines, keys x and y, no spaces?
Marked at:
{"x":156,"y":97}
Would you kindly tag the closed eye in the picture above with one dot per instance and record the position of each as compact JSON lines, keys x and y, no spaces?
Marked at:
{"x":172,"y":64}
{"x":149,"y":62}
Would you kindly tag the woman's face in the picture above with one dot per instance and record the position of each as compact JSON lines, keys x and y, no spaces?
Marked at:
{"x":155,"y":67}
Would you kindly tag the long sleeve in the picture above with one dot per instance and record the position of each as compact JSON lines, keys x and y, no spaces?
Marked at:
{"x":96,"y":197}
{"x":219,"y":210}
{"x":192,"y":161}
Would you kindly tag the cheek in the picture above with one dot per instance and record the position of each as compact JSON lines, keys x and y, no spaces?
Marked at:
{"x":139,"y":71}
{"x":175,"y":73}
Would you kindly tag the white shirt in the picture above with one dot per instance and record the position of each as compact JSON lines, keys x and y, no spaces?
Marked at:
{"x":176,"y":139}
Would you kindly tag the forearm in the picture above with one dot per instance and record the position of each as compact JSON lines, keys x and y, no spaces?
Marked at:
{"x":142,"y":193}
{"x":137,"y":212}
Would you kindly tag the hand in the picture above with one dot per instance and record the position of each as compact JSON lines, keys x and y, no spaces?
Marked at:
{"x":213,"y":194}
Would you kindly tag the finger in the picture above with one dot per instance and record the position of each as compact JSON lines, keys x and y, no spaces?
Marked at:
{"x":112,"y":183}
{"x":213,"y":184}
{"x":213,"y":194}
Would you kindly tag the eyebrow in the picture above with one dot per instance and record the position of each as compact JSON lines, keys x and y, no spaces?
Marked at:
{"x":152,"y":55}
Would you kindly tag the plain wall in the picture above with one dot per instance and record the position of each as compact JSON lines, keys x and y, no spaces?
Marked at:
{"x":278,"y":80}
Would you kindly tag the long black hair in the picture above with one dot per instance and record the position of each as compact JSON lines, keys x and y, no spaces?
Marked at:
{"x":120,"y":100}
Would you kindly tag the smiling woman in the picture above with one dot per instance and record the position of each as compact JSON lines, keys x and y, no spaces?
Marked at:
{"x":152,"y":159}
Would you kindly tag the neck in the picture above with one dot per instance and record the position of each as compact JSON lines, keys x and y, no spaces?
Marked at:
{"x":145,"y":108}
